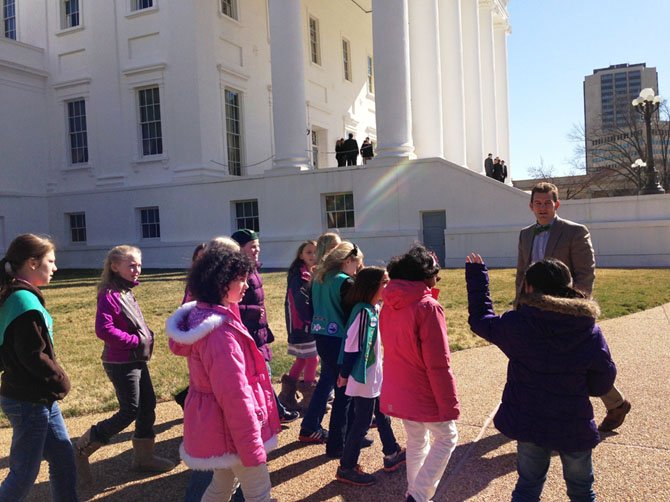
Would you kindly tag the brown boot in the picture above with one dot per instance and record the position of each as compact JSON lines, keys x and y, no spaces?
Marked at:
{"x":307,"y":391}
{"x":84,"y":448}
{"x":287,"y":396}
{"x":144,"y":459}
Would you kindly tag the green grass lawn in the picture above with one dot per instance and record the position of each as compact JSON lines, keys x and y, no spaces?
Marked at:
{"x":71,"y":300}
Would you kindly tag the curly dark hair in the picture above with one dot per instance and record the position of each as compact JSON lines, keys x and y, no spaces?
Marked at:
{"x":212,"y":274}
{"x":417,"y":264}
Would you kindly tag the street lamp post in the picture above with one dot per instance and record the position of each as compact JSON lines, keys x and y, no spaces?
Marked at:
{"x":646,"y":105}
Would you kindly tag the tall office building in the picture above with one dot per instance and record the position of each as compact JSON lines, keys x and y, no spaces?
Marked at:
{"x":607,"y":109}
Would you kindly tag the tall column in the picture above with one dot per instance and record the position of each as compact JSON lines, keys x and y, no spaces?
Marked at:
{"x":474,"y":154}
{"x":500,"y":30}
{"x":426,"y":86}
{"x":390,"y":38}
{"x":289,"y":107}
{"x":488,"y":75}
{"x":453,"y":97}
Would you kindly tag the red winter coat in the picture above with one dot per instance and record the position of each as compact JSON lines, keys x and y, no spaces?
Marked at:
{"x":418,"y":382}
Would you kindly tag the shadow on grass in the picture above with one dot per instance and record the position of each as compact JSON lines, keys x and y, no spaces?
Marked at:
{"x":74,"y":278}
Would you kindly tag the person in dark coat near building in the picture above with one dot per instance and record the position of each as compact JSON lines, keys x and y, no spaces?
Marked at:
{"x":366,"y":151}
{"x":488,"y":165}
{"x":558,"y":357}
{"x":350,"y":149}
{"x":340,"y":156}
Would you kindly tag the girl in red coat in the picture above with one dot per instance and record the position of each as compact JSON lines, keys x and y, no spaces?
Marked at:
{"x":418,"y":385}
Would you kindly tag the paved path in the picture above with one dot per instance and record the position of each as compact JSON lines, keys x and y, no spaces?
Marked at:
{"x":630,"y":465}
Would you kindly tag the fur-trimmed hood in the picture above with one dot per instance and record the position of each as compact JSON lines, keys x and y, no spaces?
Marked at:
{"x":186,"y":329}
{"x":576,"y":307}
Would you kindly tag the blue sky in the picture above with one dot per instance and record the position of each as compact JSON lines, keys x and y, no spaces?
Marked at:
{"x":554,"y":44}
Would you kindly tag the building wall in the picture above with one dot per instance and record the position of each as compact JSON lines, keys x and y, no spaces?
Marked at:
{"x":193,"y":53}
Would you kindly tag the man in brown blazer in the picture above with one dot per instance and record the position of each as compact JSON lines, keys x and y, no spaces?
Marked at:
{"x":570,"y":242}
{"x":554,"y":237}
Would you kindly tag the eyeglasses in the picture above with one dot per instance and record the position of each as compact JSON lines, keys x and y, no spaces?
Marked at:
{"x":353,"y":253}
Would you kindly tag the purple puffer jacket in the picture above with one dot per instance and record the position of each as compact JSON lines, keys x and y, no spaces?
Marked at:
{"x":558,"y":357}
{"x":254,"y":316}
{"x":120,"y":324}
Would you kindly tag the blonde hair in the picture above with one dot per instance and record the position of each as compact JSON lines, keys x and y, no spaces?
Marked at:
{"x":334,"y":260}
{"x":222,"y":242}
{"x":108,"y":278}
{"x":325,"y":244}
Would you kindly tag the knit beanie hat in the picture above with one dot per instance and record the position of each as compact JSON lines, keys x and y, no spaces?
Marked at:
{"x":243,"y":236}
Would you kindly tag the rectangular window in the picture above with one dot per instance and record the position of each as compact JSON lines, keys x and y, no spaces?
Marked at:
{"x":69,"y":14}
{"x":141,"y":4}
{"x":315,"y":149}
{"x":76,"y":120}
{"x":314,"y":41}
{"x":340,"y":210}
{"x":371,"y":76}
{"x":77,"y":227}
{"x":9,"y":18}
{"x":233,"y":132}
{"x":229,"y":8}
{"x":150,"y":223}
{"x":246,"y":215}
{"x":150,"y":121}
{"x":346,"y":59}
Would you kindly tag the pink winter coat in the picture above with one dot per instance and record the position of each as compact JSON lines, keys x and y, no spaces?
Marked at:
{"x":230,"y":415}
{"x":418,"y":382}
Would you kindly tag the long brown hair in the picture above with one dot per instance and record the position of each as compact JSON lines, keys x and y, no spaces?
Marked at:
{"x":365,"y":286}
{"x":23,"y":248}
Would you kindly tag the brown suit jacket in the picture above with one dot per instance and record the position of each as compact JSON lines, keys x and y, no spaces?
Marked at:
{"x":569,"y":242}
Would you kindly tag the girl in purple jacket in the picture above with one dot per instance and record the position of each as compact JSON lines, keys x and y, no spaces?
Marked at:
{"x":301,"y":344}
{"x":128,"y":346}
{"x":558,"y":357}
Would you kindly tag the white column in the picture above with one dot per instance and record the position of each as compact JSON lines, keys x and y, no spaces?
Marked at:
{"x":474,"y":154}
{"x":500,"y":31}
{"x":453,"y":97}
{"x":289,"y":107}
{"x":488,"y":76}
{"x":425,"y":79}
{"x":390,"y":37}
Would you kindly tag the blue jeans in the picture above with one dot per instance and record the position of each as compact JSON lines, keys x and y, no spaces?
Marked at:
{"x":311,"y":422}
{"x":533,"y":463}
{"x":364,"y":408}
{"x":38,"y":432}
{"x":137,"y":402}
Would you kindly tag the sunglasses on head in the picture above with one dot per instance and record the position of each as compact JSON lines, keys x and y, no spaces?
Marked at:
{"x":353,"y":253}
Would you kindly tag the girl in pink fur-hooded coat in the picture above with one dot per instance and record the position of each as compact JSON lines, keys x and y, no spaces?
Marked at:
{"x":230,"y":416}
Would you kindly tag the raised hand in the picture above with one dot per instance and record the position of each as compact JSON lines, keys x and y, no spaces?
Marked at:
{"x":474,"y":258}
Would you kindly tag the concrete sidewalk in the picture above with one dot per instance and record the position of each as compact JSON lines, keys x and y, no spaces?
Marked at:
{"x":632,"y":464}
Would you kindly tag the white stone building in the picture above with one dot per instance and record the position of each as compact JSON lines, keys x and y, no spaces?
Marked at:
{"x":164,"y":122}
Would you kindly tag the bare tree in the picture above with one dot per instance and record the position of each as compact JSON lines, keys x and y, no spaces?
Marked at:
{"x":615,"y":146}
